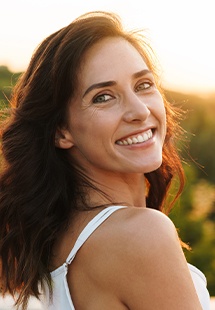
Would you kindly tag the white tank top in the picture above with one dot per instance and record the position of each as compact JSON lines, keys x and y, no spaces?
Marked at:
{"x":61,"y":295}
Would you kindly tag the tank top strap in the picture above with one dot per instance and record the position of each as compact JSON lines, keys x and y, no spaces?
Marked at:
{"x":90,"y":228}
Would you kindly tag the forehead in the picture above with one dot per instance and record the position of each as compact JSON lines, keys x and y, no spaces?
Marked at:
{"x":109,"y":58}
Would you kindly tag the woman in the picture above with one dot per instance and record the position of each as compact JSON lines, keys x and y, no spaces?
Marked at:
{"x":89,"y":158}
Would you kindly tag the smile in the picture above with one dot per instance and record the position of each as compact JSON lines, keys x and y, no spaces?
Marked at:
{"x":140,"y":138}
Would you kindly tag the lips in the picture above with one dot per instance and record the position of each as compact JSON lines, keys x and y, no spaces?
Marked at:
{"x":135,"y":139}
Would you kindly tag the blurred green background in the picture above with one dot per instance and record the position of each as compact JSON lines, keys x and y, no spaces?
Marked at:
{"x":194,"y":213}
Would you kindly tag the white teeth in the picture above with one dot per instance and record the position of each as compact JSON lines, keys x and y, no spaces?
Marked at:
{"x":150,"y":134}
{"x":134,"y":140}
{"x":145,"y":136}
{"x":139,"y":139}
{"x":129,"y":141}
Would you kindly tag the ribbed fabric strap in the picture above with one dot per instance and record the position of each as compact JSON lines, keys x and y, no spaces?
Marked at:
{"x":90,"y":228}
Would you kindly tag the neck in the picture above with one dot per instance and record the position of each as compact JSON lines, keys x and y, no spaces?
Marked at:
{"x":128,"y":189}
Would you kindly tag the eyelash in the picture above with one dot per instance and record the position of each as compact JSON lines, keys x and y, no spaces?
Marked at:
{"x":144,"y":88}
{"x":104,"y":95}
{"x":95,"y":99}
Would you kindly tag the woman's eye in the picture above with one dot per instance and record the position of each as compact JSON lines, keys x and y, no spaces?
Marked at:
{"x":102,"y":98}
{"x":143,"y":86}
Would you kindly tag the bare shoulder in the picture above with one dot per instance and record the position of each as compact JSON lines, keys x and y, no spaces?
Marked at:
{"x":144,"y":261}
{"x":144,"y":234}
{"x":152,"y":264}
{"x":146,"y":224}
{"x":135,"y":256}
{"x":140,"y":229}
{"x":130,"y":234}
{"x":134,"y":232}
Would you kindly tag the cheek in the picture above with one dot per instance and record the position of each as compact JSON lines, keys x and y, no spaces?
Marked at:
{"x":164,"y":124}
{"x":159,"y":111}
{"x":164,"y":121}
{"x":87,"y":131}
{"x":160,"y":114}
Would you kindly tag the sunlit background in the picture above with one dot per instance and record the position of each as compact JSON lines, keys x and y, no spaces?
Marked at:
{"x":181,"y":32}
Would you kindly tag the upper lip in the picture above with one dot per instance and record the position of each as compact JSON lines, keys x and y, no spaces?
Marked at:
{"x":137,"y":132}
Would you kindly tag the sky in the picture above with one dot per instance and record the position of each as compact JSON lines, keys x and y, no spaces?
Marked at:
{"x":182,"y":33}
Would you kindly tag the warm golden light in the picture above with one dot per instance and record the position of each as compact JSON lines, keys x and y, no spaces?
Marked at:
{"x":182,"y":33}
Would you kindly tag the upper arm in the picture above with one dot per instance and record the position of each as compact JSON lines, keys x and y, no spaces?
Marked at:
{"x":153,"y":267}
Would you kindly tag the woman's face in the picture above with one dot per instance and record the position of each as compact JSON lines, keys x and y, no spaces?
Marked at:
{"x":117,"y":121}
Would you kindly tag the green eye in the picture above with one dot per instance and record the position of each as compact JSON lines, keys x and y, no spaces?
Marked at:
{"x":102,"y":98}
{"x":143,"y":86}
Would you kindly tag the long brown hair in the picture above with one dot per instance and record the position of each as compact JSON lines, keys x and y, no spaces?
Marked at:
{"x":39,"y":187}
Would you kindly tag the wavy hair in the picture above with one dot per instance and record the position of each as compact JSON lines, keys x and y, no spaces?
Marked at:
{"x":39,"y":187}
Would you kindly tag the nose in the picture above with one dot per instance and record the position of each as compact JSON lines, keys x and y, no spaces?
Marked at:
{"x":136,"y":109}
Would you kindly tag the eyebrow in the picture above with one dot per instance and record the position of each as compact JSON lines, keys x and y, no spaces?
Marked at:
{"x":112,"y":83}
{"x":141,"y":73}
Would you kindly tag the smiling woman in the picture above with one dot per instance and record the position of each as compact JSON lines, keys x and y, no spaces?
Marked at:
{"x":89,"y":158}
{"x":115,"y":106}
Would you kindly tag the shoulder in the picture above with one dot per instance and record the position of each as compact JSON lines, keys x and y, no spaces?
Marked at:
{"x":146,"y":233}
{"x":143,"y":227}
{"x":152,"y":264}
{"x":136,"y":256}
{"x":130,"y":234}
{"x":139,"y":226}
{"x":143,"y":262}
{"x":146,"y":221}
{"x":148,"y":236}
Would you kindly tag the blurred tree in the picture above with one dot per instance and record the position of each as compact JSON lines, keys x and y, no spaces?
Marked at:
{"x":193,"y":217}
{"x":194,"y":214}
{"x":7,"y":80}
{"x":200,"y":127}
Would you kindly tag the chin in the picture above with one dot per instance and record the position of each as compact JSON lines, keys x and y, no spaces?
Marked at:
{"x":154,"y":166}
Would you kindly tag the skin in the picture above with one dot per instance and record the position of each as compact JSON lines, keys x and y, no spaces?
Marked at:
{"x":141,"y":264}
{"x":133,"y":105}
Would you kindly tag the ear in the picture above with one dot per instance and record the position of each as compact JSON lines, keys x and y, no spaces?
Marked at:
{"x":63,"y":139}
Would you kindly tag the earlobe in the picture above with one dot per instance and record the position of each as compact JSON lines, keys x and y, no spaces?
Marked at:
{"x":63,"y":139}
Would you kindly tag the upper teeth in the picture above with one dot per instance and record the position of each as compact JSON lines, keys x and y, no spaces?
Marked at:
{"x":136,"y":139}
